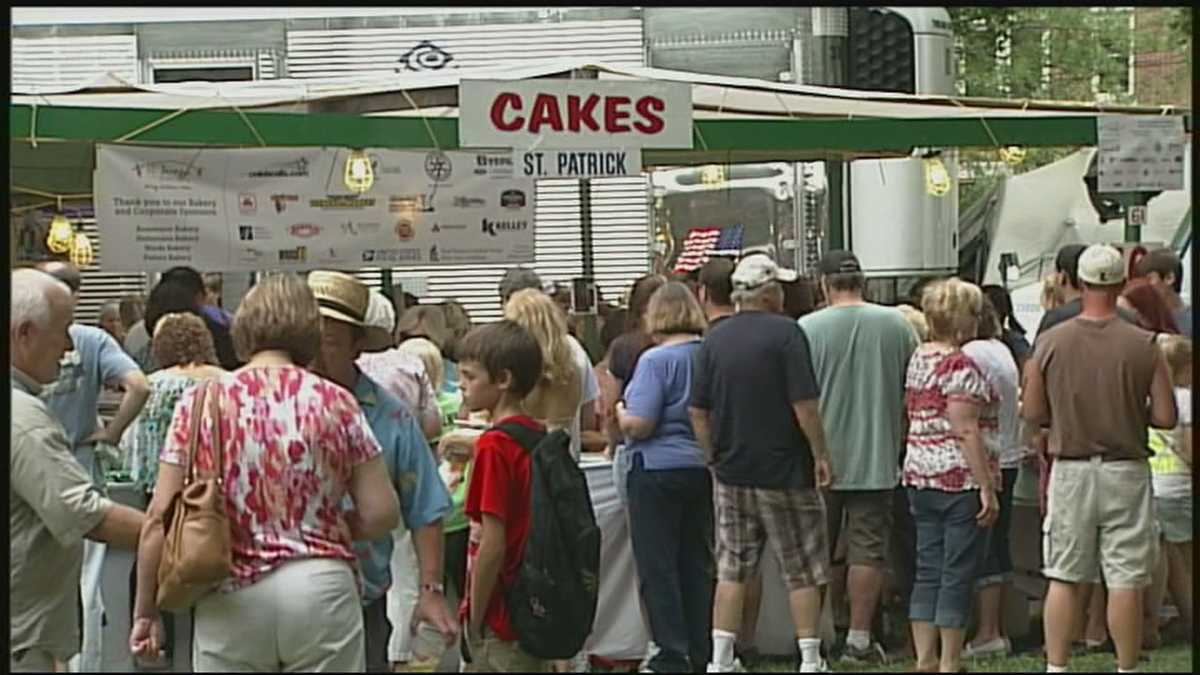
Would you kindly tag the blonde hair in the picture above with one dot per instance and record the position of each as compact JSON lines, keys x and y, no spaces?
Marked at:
{"x":1052,"y":293}
{"x":430,"y":355}
{"x":280,"y":312}
{"x":1177,"y":350}
{"x":673,"y":309}
{"x":952,"y":309}
{"x":425,"y":320}
{"x":458,"y":324}
{"x":915,"y":319}
{"x":537,"y":313}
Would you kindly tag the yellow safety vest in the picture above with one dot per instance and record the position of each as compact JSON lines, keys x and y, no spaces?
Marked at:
{"x":1165,"y":461}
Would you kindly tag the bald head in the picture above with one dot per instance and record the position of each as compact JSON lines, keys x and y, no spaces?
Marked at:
{"x":64,"y":272}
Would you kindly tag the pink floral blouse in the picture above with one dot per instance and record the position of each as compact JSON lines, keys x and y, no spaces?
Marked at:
{"x":934,"y":457}
{"x":291,"y":440}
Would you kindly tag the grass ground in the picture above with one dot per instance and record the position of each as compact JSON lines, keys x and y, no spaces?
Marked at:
{"x":1173,"y":659}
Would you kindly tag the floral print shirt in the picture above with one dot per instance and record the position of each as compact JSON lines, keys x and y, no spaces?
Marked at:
{"x":291,"y":441}
{"x":144,"y":439}
{"x":403,"y":375}
{"x":935,"y":459}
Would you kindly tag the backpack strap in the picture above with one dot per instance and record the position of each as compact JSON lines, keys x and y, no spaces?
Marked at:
{"x":523,"y":435}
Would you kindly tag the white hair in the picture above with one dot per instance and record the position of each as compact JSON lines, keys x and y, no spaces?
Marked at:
{"x":31,"y":293}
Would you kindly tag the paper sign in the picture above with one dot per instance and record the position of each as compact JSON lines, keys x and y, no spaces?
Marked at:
{"x":1140,"y":153}
{"x":558,"y":113}
{"x":288,"y":208}
{"x":578,"y":163}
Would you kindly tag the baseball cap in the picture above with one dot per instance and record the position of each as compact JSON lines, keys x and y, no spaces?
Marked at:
{"x":756,"y":270}
{"x":380,"y":322}
{"x":839,"y":262}
{"x":1101,"y":265}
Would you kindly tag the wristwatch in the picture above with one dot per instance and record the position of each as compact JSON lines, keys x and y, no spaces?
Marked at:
{"x":437,"y":587}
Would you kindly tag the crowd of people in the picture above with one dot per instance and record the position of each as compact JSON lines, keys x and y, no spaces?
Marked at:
{"x":367,"y":455}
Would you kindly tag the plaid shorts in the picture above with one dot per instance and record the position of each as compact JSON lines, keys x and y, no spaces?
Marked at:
{"x":793,"y":520}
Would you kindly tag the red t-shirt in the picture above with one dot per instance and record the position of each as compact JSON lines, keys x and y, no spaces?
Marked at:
{"x":499,"y":487}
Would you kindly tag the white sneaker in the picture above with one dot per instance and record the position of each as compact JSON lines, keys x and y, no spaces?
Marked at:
{"x":993,"y":648}
{"x":718,"y":668}
{"x":819,"y":667}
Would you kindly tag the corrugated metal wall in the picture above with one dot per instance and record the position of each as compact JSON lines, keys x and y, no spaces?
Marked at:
{"x":99,"y":287}
{"x":66,"y":61}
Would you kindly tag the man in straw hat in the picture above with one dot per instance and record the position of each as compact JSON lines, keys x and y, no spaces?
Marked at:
{"x":344,"y":301}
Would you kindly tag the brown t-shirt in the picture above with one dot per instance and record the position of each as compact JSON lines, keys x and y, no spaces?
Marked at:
{"x":1097,"y":377}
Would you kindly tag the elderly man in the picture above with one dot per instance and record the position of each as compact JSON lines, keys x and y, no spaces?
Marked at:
{"x":344,"y":301}
{"x":1099,"y":383}
{"x":52,"y":503}
{"x":754,"y":408}
{"x":96,"y":361}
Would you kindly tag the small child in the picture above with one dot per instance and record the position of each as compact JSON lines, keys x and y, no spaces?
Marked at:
{"x":1171,"y":467}
{"x":499,"y":365}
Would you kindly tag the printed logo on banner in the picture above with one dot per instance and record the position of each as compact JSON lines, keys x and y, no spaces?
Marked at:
{"x":168,"y":169}
{"x":404,"y":230}
{"x":381,"y":169}
{"x":434,"y":256}
{"x":296,"y":169}
{"x":245,"y":233}
{"x":494,"y":165}
{"x":294,"y":255}
{"x":496,"y":227}
{"x":330,"y":255}
{"x":354,"y":229}
{"x":425,"y":56}
{"x":438,"y":166}
{"x":410,"y":203}
{"x":439,"y":227}
{"x":247,"y":203}
{"x":342,"y":202}
{"x":281,"y":201}
{"x":512,"y":199}
{"x":252,"y":255}
{"x":304,"y":230}
{"x":392,"y":255}
{"x":469,"y":202}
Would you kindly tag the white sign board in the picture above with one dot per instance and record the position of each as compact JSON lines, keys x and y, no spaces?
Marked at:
{"x":288,"y":208}
{"x":558,"y":113}
{"x":1140,"y":153}
{"x":1137,"y":215}
{"x":578,"y":163}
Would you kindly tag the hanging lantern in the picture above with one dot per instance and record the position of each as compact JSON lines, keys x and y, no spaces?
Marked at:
{"x":61,"y":235}
{"x":937,"y":178}
{"x":1012,"y":155}
{"x":713,"y":174}
{"x":359,"y":174}
{"x":81,"y":250}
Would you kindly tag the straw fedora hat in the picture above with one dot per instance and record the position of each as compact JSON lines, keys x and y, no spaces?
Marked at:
{"x":341,"y":297}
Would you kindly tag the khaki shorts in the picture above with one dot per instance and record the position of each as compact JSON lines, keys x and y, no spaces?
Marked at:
{"x":490,"y":654}
{"x":794,"y":521}
{"x":864,"y":519}
{"x":1099,"y":518}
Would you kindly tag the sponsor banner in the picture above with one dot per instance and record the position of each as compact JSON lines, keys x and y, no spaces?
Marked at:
{"x":287,"y":208}
{"x":560,"y":113}
{"x":578,"y":163}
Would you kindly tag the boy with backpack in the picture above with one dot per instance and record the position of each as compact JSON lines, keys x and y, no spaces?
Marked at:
{"x":534,"y":548}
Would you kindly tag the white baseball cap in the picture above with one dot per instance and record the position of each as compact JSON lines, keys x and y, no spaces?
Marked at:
{"x":1101,"y":265}
{"x":755,"y":270}
{"x":380,"y":322}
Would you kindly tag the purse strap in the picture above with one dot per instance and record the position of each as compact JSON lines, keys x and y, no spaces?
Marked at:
{"x":210,"y":394}
{"x":194,"y":435}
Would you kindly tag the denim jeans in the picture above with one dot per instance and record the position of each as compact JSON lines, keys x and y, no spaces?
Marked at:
{"x":950,"y":549}
{"x":997,"y":559}
{"x":671,"y":516}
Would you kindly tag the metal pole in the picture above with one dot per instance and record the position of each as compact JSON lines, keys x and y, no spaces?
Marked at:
{"x":588,"y":324}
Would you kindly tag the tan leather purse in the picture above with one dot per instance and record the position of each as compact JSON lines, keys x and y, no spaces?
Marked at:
{"x":196,"y":553}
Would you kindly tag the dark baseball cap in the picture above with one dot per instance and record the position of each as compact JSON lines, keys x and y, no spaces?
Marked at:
{"x":839,"y":262}
{"x":1067,"y":261}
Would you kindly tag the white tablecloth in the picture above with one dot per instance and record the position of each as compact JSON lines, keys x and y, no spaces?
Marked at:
{"x":619,"y":632}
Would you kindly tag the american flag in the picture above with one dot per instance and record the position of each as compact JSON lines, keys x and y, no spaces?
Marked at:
{"x":702,"y":243}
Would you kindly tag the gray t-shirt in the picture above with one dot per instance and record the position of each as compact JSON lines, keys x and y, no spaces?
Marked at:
{"x":860,"y":354}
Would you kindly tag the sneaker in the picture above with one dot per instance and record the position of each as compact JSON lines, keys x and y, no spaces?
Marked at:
{"x":821,"y":666}
{"x":873,"y":654}
{"x":992,"y":648}
{"x":718,"y":668}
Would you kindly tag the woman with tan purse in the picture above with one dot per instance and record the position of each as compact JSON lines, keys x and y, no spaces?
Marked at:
{"x":280,"y":447}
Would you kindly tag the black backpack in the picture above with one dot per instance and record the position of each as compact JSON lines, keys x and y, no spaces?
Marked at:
{"x":552,"y":602}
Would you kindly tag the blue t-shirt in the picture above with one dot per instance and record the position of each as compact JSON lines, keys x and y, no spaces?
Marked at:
{"x":659,"y":392}
{"x":423,"y":496}
{"x":74,"y":398}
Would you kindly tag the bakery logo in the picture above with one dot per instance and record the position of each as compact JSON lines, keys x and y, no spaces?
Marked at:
{"x":404,"y":230}
{"x":281,"y":201}
{"x":438,"y":228}
{"x":496,"y":165}
{"x":294,"y":255}
{"x":494,"y":228}
{"x":353,"y":229}
{"x":469,"y":202}
{"x":247,"y":203}
{"x":438,"y":166}
{"x":296,"y":169}
{"x":168,"y":170}
{"x":512,"y":199}
{"x":342,"y":202}
{"x":391,"y":255}
{"x":245,"y":233}
{"x":304,"y":230}
{"x":410,"y":204}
